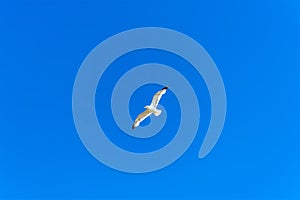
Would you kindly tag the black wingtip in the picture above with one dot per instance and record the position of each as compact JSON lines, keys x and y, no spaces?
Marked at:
{"x":165,"y":88}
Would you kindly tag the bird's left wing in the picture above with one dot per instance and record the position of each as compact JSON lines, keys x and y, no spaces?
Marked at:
{"x":141,"y":117}
{"x":156,"y":98}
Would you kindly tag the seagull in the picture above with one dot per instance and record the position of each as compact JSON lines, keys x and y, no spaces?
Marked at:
{"x":150,"y":109}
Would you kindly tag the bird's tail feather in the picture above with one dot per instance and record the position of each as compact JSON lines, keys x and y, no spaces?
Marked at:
{"x":157,"y":112}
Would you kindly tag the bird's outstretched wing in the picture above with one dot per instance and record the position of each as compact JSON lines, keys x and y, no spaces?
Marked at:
{"x":156,"y":98}
{"x":141,"y":117}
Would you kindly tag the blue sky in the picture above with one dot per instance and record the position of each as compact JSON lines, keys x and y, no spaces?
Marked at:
{"x":256,"y":46}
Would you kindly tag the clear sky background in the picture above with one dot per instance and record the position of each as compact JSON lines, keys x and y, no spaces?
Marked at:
{"x":256,"y":46}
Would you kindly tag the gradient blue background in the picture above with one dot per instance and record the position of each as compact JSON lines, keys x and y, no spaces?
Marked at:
{"x":256,"y":46}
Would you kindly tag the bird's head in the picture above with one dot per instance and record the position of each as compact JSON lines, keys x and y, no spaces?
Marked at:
{"x":147,"y":107}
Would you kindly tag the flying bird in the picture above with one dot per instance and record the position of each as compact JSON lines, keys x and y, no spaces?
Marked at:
{"x":150,"y":109}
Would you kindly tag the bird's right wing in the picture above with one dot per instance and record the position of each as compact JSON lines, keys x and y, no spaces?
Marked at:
{"x":141,"y":117}
{"x":156,"y":98}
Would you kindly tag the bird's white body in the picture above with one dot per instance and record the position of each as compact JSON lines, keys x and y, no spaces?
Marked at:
{"x":153,"y":110}
{"x":150,"y":109}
